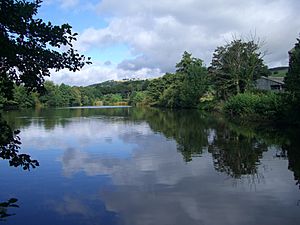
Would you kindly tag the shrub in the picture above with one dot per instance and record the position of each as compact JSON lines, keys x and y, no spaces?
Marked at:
{"x":255,"y":106}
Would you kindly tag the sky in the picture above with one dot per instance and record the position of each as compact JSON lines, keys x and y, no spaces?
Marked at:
{"x":146,"y":38}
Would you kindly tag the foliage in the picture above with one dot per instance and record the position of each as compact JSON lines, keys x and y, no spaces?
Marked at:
{"x":112,"y":98}
{"x":194,"y":85}
{"x":235,"y":67}
{"x":182,"y":89}
{"x":64,"y":95}
{"x":171,"y":94}
{"x":157,"y":86}
{"x":125,"y":88}
{"x":259,"y":106}
{"x":138,"y":98}
{"x":5,"y":90}
{"x":292,"y":79}
{"x":23,"y":98}
{"x":30,"y":47}
{"x":9,"y":148}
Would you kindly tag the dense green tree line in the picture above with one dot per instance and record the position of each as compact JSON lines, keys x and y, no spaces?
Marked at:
{"x":107,"y":93}
{"x":188,"y":87}
{"x":234,"y":69}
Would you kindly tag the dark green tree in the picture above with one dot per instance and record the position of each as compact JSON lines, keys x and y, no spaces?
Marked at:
{"x":52,"y":96}
{"x":195,"y":84}
{"x":29,"y":49}
{"x":186,"y":61}
{"x":23,"y":98}
{"x":184,"y":88}
{"x":292,"y":79}
{"x":157,"y":86}
{"x":236,"y":66}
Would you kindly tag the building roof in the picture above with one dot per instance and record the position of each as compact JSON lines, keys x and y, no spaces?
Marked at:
{"x":279,"y":80}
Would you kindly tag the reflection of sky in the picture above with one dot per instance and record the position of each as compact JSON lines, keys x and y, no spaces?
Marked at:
{"x":96,"y":171}
{"x":93,"y":135}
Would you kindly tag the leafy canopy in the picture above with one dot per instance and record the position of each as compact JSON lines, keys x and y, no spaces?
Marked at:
{"x":182,"y":89}
{"x":292,"y":79}
{"x":236,"y":66}
{"x":30,"y":47}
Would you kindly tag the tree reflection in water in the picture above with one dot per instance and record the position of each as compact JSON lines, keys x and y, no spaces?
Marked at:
{"x":4,"y":206}
{"x":233,"y":153}
{"x":236,"y":150}
{"x":10,"y":145}
{"x":9,"y":150}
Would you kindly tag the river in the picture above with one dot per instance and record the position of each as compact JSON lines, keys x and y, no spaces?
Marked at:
{"x":143,"y":166}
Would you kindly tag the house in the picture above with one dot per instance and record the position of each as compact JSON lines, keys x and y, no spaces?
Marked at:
{"x":270,"y":83}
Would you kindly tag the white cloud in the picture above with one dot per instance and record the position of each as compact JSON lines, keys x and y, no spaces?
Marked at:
{"x":158,"y":32}
{"x":97,"y":73}
{"x":65,"y":4}
{"x":69,"y":3}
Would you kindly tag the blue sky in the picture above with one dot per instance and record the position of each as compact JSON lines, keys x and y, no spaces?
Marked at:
{"x":81,"y":18}
{"x":146,"y":38}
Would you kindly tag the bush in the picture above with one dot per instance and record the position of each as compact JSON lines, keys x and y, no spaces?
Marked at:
{"x":255,"y":106}
{"x":138,"y":98}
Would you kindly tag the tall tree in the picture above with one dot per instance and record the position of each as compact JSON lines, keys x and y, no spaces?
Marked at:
{"x":292,"y":79}
{"x":29,"y":49}
{"x":194,"y":84}
{"x":236,"y":66}
{"x":186,"y":61}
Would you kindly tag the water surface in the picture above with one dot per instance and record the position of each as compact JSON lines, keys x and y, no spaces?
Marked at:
{"x":148,"y":166}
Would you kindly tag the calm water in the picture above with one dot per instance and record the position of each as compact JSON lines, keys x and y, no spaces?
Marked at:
{"x":146,"y":166}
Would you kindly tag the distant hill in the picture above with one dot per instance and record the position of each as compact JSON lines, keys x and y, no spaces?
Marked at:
{"x":129,"y":85}
{"x":108,"y":83}
{"x":124,"y":87}
{"x":279,"y":71}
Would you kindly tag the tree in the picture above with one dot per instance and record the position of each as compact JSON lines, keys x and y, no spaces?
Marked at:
{"x":188,"y":83}
{"x":186,"y":61}
{"x":292,"y":79}
{"x":23,"y":98}
{"x":194,"y":84}
{"x":52,"y":96}
{"x":9,"y":148}
{"x":236,"y":66}
{"x":29,"y":49}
